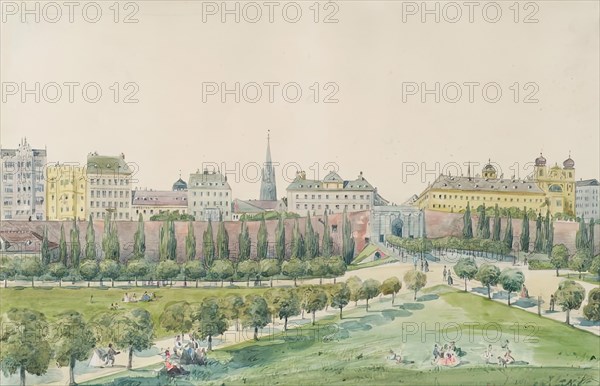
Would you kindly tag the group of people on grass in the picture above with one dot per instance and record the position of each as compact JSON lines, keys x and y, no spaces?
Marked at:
{"x":502,"y":360}
{"x":184,"y":352}
{"x":446,"y":355}
{"x":146,"y":297}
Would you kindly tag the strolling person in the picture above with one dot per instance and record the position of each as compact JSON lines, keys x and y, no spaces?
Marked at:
{"x":110,"y":355}
{"x":552,"y":300}
{"x":445,"y":273}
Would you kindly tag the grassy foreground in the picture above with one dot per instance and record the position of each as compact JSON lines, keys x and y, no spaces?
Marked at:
{"x":354,"y":350}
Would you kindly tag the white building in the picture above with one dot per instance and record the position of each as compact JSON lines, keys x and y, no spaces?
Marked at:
{"x":332,"y":194}
{"x":587,"y":199}
{"x":108,"y":186}
{"x":23,"y":184}
{"x":209,"y":196}
{"x":149,"y":202}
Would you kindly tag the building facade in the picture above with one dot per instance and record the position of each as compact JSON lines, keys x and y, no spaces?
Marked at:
{"x":548,"y":188}
{"x":23,"y":192}
{"x":255,"y":207}
{"x":108,"y":187}
{"x":332,"y":194}
{"x":587,"y":199}
{"x":151,"y":202}
{"x":65,"y":192}
{"x":209,"y":196}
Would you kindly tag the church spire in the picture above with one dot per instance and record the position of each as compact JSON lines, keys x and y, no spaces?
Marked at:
{"x":268,"y":189}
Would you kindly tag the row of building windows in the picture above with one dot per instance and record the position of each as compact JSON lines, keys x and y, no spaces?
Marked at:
{"x":337,"y":206}
{"x":108,"y":204}
{"x":96,"y":193}
{"x":119,"y":215}
{"x":202,"y":213}
{"x":207,"y":203}
{"x":337,"y":196}
{"x":66,"y":209}
{"x":214,"y":193}
{"x":484,"y":198}
{"x":66,"y":197}
{"x":111,"y":181}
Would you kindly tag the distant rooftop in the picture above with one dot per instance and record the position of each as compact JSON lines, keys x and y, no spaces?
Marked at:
{"x":590,"y":182}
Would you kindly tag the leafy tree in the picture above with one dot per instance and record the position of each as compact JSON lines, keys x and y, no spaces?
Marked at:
{"x":297,"y":242}
{"x":89,"y":270}
{"x":8,"y":268}
{"x":208,"y":245}
{"x":326,"y":244}
{"x":194,"y":270}
{"x":508,"y":234}
{"x":172,"y":216}
{"x":134,"y":330}
{"x":45,"y":249}
{"x":286,"y":304}
{"x":75,"y":245}
{"x":248,"y":268}
{"x":23,"y":345}
{"x":62,"y":248}
{"x":512,"y":280}
{"x":467,"y":223}
{"x":177,"y":317}
{"x":232,"y":307}
{"x":466,"y":269}
{"x":595,"y":266}
{"x":559,"y":257}
{"x":391,"y":286}
{"x":222,"y":242}
{"x":222,"y":270}
{"x":415,"y":280}
{"x":497,"y":224}
{"x":592,"y":310}
{"x":256,"y":313}
{"x":261,"y":242}
{"x":347,"y":240}
{"x":315,"y":300}
{"x":370,"y":289}
{"x":139,"y":239}
{"x":293,"y":268}
{"x":336,"y":267}
{"x":211,"y":320}
{"x":269,"y":268}
{"x":244,"y":243}
{"x":72,"y":340}
{"x":109,"y":269}
{"x":136,"y":269}
{"x":318,"y":267}
{"x":311,"y":244}
{"x":340,"y":296}
{"x":355,"y":286}
{"x":581,"y":261}
{"x":569,"y":296}
{"x":32,"y":268}
{"x":525,"y":233}
{"x":167,"y":270}
{"x":90,"y":241}
{"x":58,"y":271}
{"x":488,"y":275}
{"x":280,"y":239}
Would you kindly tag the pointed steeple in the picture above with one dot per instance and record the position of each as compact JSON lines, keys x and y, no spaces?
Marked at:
{"x":268,"y":189}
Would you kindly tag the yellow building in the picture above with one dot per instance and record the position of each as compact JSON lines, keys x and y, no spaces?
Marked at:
{"x":551,"y":188}
{"x":65,"y":192}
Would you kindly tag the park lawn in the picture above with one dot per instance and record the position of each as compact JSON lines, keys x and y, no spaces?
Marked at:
{"x":53,"y":300}
{"x":555,"y":353}
{"x":586,"y":277}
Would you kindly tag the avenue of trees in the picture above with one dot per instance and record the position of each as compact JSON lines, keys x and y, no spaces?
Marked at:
{"x":297,"y":255}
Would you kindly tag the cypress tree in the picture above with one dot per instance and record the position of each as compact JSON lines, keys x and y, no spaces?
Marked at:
{"x":75,"y":245}
{"x":222,"y":241}
{"x":581,"y":238}
{"x":467,"y":224}
{"x":46,"y":257}
{"x":326,"y":244}
{"x":347,"y":240}
{"x":481,"y":224}
{"x":62,"y":247}
{"x":525,"y":233}
{"x":171,"y":241}
{"x":244,"y":243}
{"x":262,"y":240}
{"x":297,"y":242}
{"x":280,"y":239}
{"x":550,"y":240}
{"x":309,"y":237}
{"x":497,"y":224}
{"x":90,"y":241}
{"x":508,"y":234}
{"x":591,"y":237}
{"x":139,"y":239}
{"x":162,"y":241}
{"x":539,"y":238}
{"x":208,"y":246}
{"x":190,"y":242}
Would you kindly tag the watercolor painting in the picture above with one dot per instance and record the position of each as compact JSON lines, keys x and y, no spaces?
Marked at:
{"x":299,"y":193}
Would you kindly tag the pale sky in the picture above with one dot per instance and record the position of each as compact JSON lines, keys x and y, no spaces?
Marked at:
{"x":369,"y":54}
